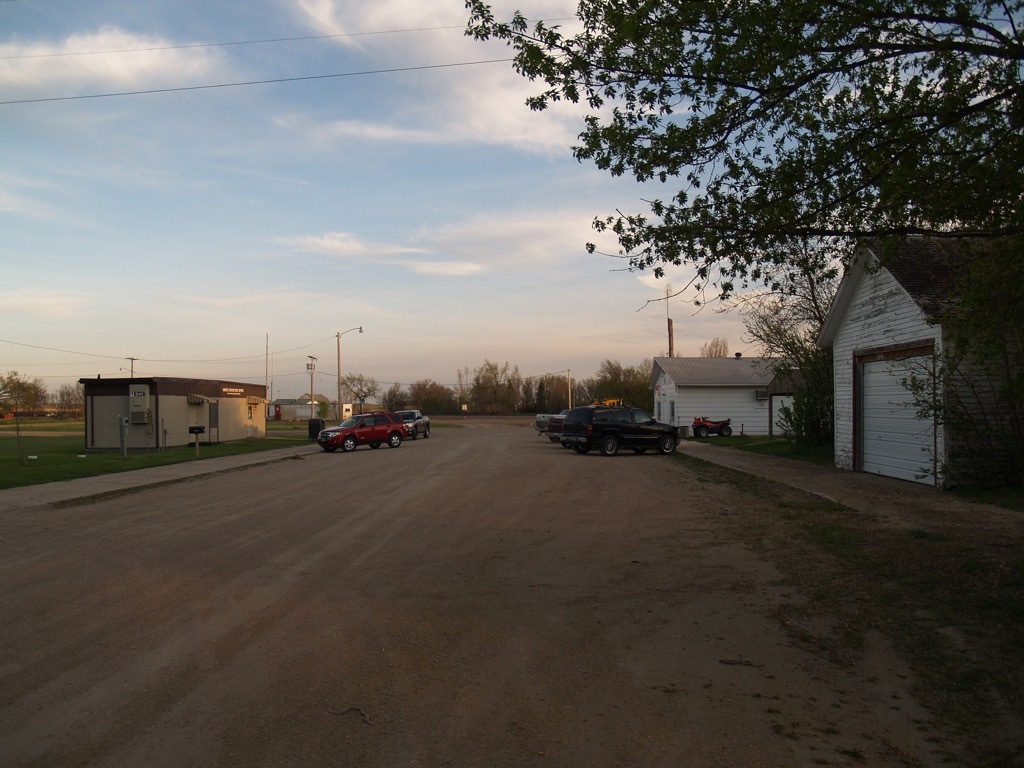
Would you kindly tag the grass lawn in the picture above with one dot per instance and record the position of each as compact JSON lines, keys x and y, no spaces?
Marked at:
{"x":773,"y":446}
{"x":62,"y":456}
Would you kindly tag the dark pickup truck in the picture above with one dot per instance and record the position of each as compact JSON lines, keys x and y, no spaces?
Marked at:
{"x":610,"y":428}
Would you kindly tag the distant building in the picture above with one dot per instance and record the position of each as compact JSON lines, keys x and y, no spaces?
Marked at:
{"x":155,"y":413}
{"x":286,"y":409}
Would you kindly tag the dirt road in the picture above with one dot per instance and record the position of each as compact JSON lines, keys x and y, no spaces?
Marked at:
{"x":481,"y":598}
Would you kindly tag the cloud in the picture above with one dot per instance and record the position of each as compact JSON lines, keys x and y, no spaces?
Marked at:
{"x":510,"y":241}
{"x":345,"y":245}
{"x":109,"y":58}
{"x":44,"y":304}
{"x":476,"y":104}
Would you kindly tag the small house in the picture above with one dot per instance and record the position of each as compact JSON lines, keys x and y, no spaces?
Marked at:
{"x":735,"y":388}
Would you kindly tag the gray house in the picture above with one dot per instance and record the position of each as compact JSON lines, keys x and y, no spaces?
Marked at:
{"x":883,"y":328}
{"x":734,"y":388}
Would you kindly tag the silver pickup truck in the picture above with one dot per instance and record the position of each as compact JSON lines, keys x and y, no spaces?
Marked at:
{"x":416,"y":424}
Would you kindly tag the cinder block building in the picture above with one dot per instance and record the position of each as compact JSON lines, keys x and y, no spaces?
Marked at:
{"x":158,"y":412}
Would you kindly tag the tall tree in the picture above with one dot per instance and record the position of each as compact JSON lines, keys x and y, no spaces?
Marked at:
{"x":716,"y":347}
{"x":70,"y":400}
{"x":785,"y":323}
{"x":431,"y":397}
{"x":814,"y":119}
{"x":496,"y":389}
{"x":394,"y":399}
{"x":631,"y":384}
{"x":21,"y":397}
{"x":360,"y":387}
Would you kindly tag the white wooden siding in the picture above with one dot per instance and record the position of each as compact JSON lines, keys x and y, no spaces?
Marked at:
{"x":881,"y":314}
{"x":666,"y":409}
{"x":749,"y":415}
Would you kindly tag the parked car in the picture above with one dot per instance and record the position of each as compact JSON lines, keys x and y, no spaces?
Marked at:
{"x":372,"y":429}
{"x":608,"y":429}
{"x":416,"y":423}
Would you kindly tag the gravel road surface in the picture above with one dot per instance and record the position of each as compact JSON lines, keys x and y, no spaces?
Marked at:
{"x":481,"y":598}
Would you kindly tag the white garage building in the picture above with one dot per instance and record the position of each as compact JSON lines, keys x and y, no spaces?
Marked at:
{"x":883,"y":329}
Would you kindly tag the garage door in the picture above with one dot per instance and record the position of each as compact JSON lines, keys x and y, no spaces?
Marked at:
{"x":895,"y":442}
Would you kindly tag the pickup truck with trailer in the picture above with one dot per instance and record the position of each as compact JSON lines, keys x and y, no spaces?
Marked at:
{"x":416,"y":424}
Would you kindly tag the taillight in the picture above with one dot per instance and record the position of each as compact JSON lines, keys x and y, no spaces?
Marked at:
{"x":590,"y":429}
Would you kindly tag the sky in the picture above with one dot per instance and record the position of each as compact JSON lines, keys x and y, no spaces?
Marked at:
{"x":218,"y":190}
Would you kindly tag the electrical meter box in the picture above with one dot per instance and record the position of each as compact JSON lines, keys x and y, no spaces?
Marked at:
{"x":138,"y":403}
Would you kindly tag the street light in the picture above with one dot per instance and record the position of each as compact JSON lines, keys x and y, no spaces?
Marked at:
{"x":340,"y":334}
{"x":311,"y":367}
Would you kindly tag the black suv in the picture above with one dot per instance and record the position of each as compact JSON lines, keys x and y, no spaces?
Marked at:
{"x":608,"y":429}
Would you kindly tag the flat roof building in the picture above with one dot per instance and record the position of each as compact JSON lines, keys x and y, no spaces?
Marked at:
{"x":153,"y":413}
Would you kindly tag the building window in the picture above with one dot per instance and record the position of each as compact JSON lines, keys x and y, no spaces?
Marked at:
{"x":250,"y":413}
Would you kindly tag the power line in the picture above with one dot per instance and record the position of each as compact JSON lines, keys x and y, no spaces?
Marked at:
{"x":186,"y":46}
{"x":158,"y":360}
{"x":254,"y":82}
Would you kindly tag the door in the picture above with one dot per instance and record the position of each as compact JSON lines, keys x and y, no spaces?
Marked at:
{"x":894,"y":441}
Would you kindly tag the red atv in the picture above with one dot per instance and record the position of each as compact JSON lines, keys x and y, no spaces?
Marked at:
{"x":703,"y":426}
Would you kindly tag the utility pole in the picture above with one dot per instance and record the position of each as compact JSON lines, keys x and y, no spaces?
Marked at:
{"x":311,"y":367}
{"x":339,"y":335}
{"x":671,"y":330}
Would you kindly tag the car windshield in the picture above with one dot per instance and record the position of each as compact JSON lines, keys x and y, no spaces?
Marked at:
{"x":406,"y":415}
{"x":351,"y":421}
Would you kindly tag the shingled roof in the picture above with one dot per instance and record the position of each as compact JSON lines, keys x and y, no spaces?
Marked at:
{"x":716,"y":371}
{"x":930,"y":269}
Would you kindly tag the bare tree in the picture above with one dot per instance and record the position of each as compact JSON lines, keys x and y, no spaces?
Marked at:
{"x":70,"y":400}
{"x":394,"y":399}
{"x":21,"y":397}
{"x":716,"y":347}
{"x":360,"y":387}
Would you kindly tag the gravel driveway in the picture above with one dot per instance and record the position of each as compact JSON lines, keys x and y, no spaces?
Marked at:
{"x":481,"y":598}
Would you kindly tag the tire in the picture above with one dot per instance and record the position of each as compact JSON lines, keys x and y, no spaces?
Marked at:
{"x":426,"y":432}
{"x":639,"y":450}
{"x":609,"y":445}
{"x":666,"y":444}
{"x":375,"y":445}
{"x":348,"y":444}
{"x":581,"y":449}
{"x":414,"y":435}
{"x":330,"y":448}
{"x":394,"y":440}
{"x":725,"y":431}
{"x":701,"y":431}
